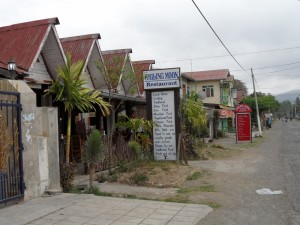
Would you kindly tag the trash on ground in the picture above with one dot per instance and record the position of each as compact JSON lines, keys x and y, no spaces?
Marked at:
{"x":267,"y":191}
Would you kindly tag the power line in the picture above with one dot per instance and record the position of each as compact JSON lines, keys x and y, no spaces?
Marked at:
{"x":219,"y":37}
{"x":278,"y":71}
{"x":220,"y":56}
{"x":288,"y":85}
{"x":269,"y":67}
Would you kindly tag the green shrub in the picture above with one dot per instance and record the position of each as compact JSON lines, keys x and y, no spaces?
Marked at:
{"x":218,"y":146}
{"x":196,"y":175}
{"x":139,"y":178}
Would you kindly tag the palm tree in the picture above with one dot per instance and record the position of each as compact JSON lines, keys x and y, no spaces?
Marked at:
{"x":68,"y":88}
{"x":93,"y":152}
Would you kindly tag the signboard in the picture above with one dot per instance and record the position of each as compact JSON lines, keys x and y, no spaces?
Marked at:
{"x":161,"y":79}
{"x":164,"y":135}
{"x":243,"y":127}
{"x":223,"y":113}
{"x":243,"y":108}
{"x":243,"y":123}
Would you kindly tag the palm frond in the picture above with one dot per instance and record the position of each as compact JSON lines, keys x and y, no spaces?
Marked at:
{"x":93,"y":148}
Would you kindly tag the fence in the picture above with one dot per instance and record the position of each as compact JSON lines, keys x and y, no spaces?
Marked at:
{"x":11,"y":162}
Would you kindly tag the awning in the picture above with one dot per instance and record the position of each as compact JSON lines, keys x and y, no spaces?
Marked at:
{"x":226,"y":107}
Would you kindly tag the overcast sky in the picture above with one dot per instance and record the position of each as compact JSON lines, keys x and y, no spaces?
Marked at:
{"x":174,"y":34}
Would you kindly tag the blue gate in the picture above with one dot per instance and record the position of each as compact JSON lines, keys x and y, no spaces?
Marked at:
{"x":11,"y":161}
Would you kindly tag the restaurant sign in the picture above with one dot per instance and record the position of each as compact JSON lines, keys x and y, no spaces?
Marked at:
{"x":161,"y":78}
{"x":243,"y":123}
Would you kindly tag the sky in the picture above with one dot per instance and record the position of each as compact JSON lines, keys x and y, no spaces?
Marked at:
{"x":260,"y":34}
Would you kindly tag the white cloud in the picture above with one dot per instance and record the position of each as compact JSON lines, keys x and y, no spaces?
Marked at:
{"x":173,"y":29}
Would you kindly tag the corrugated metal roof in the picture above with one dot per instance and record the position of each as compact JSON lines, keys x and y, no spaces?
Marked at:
{"x":79,"y":46}
{"x":114,"y":61}
{"x":207,"y":75}
{"x":22,"y":41}
{"x":139,"y":67}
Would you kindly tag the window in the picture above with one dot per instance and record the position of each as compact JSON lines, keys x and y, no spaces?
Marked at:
{"x":208,"y":90}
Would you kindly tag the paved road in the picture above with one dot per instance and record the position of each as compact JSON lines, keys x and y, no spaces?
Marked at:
{"x":273,"y":164}
{"x":290,"y":154}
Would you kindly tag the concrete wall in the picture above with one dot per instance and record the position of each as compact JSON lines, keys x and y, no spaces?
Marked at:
{"x":40,"y":140}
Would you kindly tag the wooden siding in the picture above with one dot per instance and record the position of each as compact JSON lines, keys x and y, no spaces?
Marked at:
{"x":39,"y":71}
{"x":96,"y":74}
{"x":52,"y":54}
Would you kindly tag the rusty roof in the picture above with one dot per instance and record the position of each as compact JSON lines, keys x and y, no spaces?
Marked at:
{"x":21,"y":42}
{"x":79,"y":46}
{"x":207,"y":75}
{"x":114,"y":62}
{"x":139,"y":67}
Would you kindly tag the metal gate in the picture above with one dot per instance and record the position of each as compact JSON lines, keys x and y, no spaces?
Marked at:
{"x":11,"y":162}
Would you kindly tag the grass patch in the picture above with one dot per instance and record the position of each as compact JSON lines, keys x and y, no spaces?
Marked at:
{"x":218,"y":146}
{"x":75,"y":190}
{"x":130,"y":196}
{"x":96,"y":191}
{"x":202,"y":188}
{"x":196,"y":175}
{"x":139,"y":178}
{"x":211,"y":204}
{"x":178,"y":199}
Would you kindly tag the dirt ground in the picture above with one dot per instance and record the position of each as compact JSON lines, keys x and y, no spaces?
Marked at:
{"x":228,"y":180}
{"x":176,"y":183}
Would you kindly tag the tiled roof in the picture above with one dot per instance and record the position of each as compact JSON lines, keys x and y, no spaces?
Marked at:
{"x":22,"y":42}
{"x":114,"y":61}
{"x":79,"y":46}
{"x":207,"y":75}
{"x":139,"y":67}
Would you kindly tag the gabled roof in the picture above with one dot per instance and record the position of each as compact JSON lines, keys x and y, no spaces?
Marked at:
{"x":207,"y":75}
{"x":80,"y":46}
{"x":114,"y":62}
{"x":22,"y":42}
{"x":139,"y":67}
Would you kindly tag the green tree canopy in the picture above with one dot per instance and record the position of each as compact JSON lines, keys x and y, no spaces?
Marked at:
{"x":193,"y":110}
{"x":265,"y":102}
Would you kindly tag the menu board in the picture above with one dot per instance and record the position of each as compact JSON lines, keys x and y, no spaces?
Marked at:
{"x":164,"y":135}
{"x":243,"y":121}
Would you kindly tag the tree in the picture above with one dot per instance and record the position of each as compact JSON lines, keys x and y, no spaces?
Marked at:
{"x":68,"y":88}
{"x":297,"y":106}
{"x":193,"y":112}
{"x":93,"y":153}
{"x":242,"y":90}
{"x":266,"y":103}
{"x":216,"y":119}
{"x":285,"y":109}
{"x":114,"y":71}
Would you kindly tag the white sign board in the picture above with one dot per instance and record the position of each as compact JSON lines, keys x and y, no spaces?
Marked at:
{"x":164,"y":78}
{"x":164,"y":135}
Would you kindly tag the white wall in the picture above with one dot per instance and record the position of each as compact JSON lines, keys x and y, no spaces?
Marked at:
{"x":40,"y":141}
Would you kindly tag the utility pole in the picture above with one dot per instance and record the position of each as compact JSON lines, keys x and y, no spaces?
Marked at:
{"x":257,"y":110}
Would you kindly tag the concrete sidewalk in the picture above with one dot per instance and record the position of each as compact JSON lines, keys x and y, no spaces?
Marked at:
{"x":67,"y":209}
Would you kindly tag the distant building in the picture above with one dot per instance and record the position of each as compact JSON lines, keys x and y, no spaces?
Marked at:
{"x":215,"y":89}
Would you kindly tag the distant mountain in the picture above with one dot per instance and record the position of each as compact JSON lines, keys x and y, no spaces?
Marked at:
{"x":288,"y":96}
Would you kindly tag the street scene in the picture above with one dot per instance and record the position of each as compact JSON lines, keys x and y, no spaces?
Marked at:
{"x":149,"y":112}
{"x":269,"y":163}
